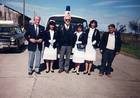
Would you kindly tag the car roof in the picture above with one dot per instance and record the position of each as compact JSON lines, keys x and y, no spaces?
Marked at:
{"x":8,"y":25}
{"x":60,"y":18}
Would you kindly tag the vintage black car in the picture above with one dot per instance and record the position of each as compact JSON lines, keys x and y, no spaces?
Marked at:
{"x":11,"y":36}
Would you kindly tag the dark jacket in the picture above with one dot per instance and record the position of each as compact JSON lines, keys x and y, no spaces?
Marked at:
{"x":66,"y":36}
{"x":104,"y":41}
{"x":47,"y":37}
{"x":95,"y":37}
{"x":82,"y":38}
{"x":31,"y":33}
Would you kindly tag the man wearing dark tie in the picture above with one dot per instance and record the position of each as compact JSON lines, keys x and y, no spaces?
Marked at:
{"x":34,"y":36}
{"x":110,"y":46}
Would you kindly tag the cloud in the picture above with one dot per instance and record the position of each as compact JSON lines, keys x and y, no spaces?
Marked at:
{"x":32,"y":9}
{"x":5,"y":1}
{"x":30,"y":6}
{"x":103,"y":16}
{"x":128,"y":6}
{"x":105,"y":3}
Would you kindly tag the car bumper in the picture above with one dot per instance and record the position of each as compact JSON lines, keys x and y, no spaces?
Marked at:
{"x":7,"y":45}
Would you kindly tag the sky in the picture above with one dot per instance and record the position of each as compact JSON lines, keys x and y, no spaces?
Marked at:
{"x":104,"y":11}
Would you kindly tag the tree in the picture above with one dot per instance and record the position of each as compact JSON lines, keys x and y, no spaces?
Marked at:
{"x":135,"y":26}
{"x":122,"y":28}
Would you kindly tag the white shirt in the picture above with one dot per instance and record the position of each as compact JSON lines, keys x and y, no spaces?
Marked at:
{"x":78,"y":35}
{"x":51,"y":34}
{"x":36,"y":28}
{"x":90,"y":34}
{"x":91,"y":31}
{"x":67,"y":26}
{"x":111,"y":42}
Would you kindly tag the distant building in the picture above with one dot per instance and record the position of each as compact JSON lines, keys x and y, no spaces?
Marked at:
{"x":7,"y":13}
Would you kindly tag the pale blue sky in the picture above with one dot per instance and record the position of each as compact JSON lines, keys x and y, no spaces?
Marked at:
{"x":104,"y":11}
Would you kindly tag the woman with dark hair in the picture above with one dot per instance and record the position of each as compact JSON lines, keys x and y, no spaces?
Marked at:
{"x":50,"y":44}
{"x":79,"y":47}
{"x":92,"y":39}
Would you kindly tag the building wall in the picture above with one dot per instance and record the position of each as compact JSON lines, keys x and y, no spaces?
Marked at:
{"x":9,"y":14}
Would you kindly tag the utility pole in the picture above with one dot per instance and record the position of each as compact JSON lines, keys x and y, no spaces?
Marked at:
{"x":34,"y":13}
{"x":24,"y":13}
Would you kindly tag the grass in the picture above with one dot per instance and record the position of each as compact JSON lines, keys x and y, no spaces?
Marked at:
{"x":131,"y":50}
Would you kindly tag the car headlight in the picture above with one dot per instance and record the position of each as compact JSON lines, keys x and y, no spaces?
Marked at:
{"x":12,"y":39}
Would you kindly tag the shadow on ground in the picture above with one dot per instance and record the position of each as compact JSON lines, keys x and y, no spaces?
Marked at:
{"x":56,"y":66}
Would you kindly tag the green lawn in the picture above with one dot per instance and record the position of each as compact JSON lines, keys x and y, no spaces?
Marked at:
{"x":131,"y":50}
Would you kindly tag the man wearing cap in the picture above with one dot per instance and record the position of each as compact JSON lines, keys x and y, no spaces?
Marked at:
{"x":66,"y":41}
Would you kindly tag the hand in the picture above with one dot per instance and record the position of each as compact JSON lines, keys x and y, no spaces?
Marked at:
{"x":79,"y":42}
{"x":101,"y":51}
{"x":51,"y":41}
{"x":32,"y":40}
{"x":94,"y":42}
{"x":39,"y":40}
{"x":117,"y":53}
{"x":54,"y":40}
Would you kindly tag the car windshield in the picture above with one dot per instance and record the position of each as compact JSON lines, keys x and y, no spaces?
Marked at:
{"x":11,"y":30}
{"x":75,"y":20}
{"x":5,"y":30}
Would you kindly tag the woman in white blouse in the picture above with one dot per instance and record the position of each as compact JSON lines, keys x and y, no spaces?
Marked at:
{"x":50,"y":44}
{"x":92,"y":38}
{"x":79,"y":47}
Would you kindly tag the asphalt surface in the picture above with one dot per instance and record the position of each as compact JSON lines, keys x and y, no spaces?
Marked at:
{"x":15,"y":82}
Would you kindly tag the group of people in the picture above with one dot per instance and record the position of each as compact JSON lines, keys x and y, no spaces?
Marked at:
{"x":71,"y":40}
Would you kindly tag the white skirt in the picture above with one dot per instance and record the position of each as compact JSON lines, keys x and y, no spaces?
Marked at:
{"x":50,"y":53}
{"x":90,"y":53}
{"x":78,"y":56}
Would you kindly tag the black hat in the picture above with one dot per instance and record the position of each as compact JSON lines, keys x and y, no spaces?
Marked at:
{"x":79,"y":25}
{"x":52,"y":22}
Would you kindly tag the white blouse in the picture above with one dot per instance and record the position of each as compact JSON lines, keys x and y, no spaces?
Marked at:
{"x":111,"y":42}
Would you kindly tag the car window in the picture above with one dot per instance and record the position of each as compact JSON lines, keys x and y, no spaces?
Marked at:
{"x":4,"y":30}
{"x":75,"y":20}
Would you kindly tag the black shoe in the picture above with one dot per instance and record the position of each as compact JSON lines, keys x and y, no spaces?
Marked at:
{"x":77,"y":73}
{"x":52,"y":71}
{"x":89,"y":73}
{"x":67,"y":71}
{"x":101,"y":74}
{"x":107,"y":73}
{"x":74,"y":71}
{"x":60,"y":70}
{"x":47,"y":71}
{"x":30,"y":73}
{"x":84,"y":72}
{"x":38,"y":72}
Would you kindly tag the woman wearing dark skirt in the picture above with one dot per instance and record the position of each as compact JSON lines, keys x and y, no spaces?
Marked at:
{"x":93,"y":38}
{"x":50,"y":44}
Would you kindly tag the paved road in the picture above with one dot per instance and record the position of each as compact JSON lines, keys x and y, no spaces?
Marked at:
{"x":15,"y":83}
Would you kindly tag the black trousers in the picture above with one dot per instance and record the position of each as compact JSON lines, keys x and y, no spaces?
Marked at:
{"x":106,"y":62}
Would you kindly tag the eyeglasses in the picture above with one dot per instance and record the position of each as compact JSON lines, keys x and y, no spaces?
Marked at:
{"x":67,"y":19}
{"x":110,"y":28}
